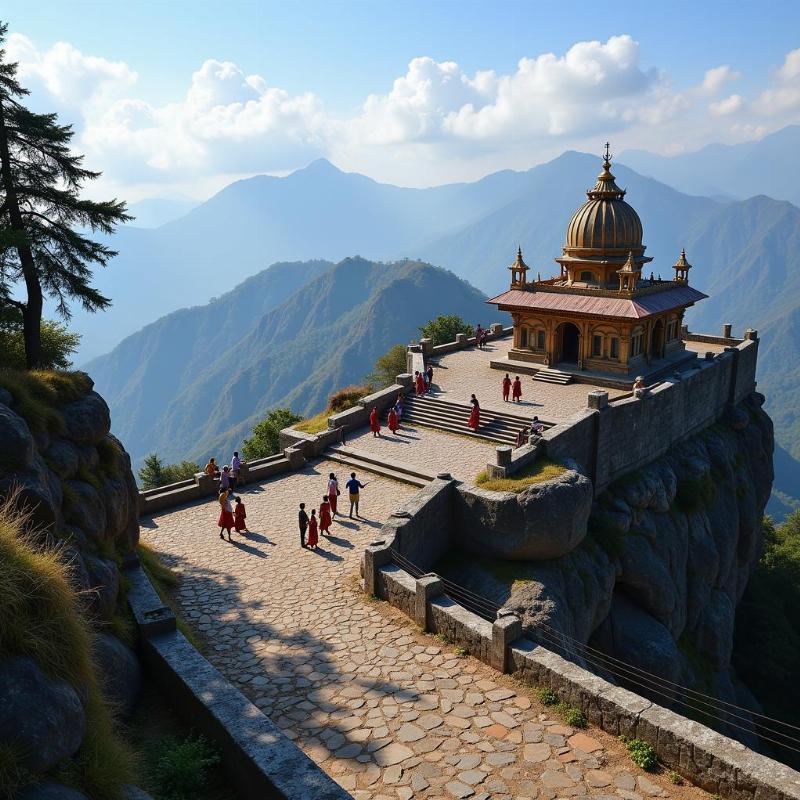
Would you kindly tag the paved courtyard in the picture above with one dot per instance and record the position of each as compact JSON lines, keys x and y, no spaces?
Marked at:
{"x":463,"y":372}
{"x":387,"y":711}
{"x":430,"y":449}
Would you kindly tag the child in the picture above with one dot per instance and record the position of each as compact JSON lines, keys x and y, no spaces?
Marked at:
{"x":225,"y":520}
{"x":312,"y":530}
{"x":225,"y":478}
{"x":239,"y":516}
{"x":325,"y":516}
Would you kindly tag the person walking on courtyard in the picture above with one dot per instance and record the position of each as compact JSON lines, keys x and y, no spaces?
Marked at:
{"x":211,"y":468}
{"x":478,"y":336}
{"x":325,"y":516}
{"x":516,"y":389}
{"x":239,"y":516}
{"x":393,"y":422}
{"x":398,"y":407}
{"x":475,"y":414}
{"x":312,"y":530}
{"x":353,"y":487}
{"x":225,"y":520}
{"x":375,"y":423}
{"x":506,"y":387}
{"x":429,"y":373}
{"x":302,"y":518}
{"x":419,"y":384}
{"x":333,"y":492}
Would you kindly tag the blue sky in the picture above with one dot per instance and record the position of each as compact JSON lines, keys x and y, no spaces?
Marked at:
{"x":124,"y":75}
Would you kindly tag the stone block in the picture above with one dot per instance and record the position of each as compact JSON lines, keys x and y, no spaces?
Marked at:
{"x":405,"y":380}
{"x":461,"y":339}
{"x":206,"y":484}
{"x":427,"y":588}
{"x":506,"y":629}
{"x":751,"y":334}
{"x":375,"y":556}
{"x":496,"y":328}
{"x":727,"y":330}
{"x":504,"y":452}
{"x":597,"y":399}
{"x":295,"y":457}
{"x":426,"y":345}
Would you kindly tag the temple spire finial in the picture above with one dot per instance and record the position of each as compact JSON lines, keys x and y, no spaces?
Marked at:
{"x":608,"y":155}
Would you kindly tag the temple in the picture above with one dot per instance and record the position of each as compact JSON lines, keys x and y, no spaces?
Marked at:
{"x":600,"y":314}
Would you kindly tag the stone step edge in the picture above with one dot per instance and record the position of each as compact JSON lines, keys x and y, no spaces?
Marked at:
{"x":462,"y":431}
{"x":396,"y":466}
{"x":384,"y":472}
{"x":427,"y":400}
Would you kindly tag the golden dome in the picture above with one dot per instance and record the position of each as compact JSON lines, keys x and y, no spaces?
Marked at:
{"x":605,"y":221}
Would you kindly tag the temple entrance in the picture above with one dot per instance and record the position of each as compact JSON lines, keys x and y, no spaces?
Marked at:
{"x":569,"y":342}
{"x":657,"y":340}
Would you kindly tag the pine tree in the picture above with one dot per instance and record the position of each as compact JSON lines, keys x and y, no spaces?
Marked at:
{"x":42,"y":214}
{"x":151,"y":474}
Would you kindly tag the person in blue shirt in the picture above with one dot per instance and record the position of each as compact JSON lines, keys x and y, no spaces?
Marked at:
{"x":353,"y":486}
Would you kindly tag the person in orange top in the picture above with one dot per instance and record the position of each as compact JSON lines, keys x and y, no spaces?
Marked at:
{"x":325,"y":516}
{"x":506,"y":387}
{"x":516,"y":391}
{"x":374,"y":422}
{"x":393,"y":422}
{"x":211,"y":468}
{"x":312,"y":530}
{"x":239,"y":516}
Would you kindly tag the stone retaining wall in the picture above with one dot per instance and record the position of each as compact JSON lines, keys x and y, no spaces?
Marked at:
{"x":496,"y":331}
{"x":714,"y":762}
{"x":259,"y":759}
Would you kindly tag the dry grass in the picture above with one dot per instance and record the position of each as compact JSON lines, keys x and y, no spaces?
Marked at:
{"x":537,"y":472}
{"x":40,"y":618}
{"x":315,"y":424}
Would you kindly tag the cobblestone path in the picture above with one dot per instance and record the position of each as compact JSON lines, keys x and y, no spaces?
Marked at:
{"x":429,"y":449}
{"x":387,"y":711}
{"x":466,"y":371}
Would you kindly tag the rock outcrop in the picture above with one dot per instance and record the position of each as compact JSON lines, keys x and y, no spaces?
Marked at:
{"x":667,"y":555}
{"x":74,"y":479}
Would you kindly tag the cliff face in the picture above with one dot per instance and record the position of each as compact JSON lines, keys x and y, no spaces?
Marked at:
{"x":59,"y":663}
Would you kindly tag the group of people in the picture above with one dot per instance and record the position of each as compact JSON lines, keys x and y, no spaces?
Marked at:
{"x":395,"y":414}
{"x":231,"y":516}
{"x":515,"y":388}
{"x":481,"y":335}
{"x":230,"y":476}
{"x":423,"y":381}
{"x":311,"y":527}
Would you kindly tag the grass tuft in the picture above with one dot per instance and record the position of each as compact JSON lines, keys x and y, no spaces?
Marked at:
{"x":315,"y":424}
{"x":539,"y":471}
{"x":642,"y":754}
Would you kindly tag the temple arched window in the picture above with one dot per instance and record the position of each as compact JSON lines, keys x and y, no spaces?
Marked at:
{"x":597,"y":345}
{"x":587,"y":276}
{"x":613,"y":348}
{"x":540,"y":339}
{"x":523,"y":336}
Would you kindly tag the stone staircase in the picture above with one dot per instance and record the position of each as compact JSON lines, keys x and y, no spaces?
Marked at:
{"x":361,"y":461}
{"x":553,"y":376}
{"x":448,"y":416}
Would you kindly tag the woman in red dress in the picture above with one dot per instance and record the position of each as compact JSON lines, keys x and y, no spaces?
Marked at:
{"x":419,"y":384}
{"x":239,"y":516}
{"x":393,"y":422}
{"x":225,"y":520}
{"x":374,"y":422}
{"x":325,"y":517}
{"x":312,"y":530}
{"x":475,"y":414}
{"x":516,"y":391}
{"x":506,"y":387}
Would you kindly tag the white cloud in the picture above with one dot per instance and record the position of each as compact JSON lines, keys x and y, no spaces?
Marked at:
{"x":434,"y":123}
{"x":730,"y":105}
{"x":715,"y":79}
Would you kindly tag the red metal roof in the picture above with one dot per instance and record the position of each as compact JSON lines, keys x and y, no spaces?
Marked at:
{"x":630,"y":308}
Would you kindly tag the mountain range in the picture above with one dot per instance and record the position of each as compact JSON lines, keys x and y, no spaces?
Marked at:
{"x":195,"y":382}
{"x":745,"y":253}
{"x":768,"y":166}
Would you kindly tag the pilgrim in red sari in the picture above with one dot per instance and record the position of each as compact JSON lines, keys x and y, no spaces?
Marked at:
{"x":333,"y":492}
{"x":325,"y":516}
{"x":506,"y":387}
{"x":312,"y":530}
{"x":374,"y":422}
{"x":475,"y":414}
{"x":239,"y":516}
{"x":225,"y":521}
{"x":419,"y":384}
{"x":516,"y":391}
{"x":393,"y":422}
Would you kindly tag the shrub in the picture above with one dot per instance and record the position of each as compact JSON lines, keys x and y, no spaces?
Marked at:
{"x":547,"y":697}
{"x":155,"y":473}
{"x":264,"y":440}
{"x":674,"y":778}
{"x":641,"y":753}
{"x":181,"y":769}
{"x":444,"y":328}
{"x":391,"y":364}
{"x":58,"y":343}
{"x":572,"y":716}
{"x":348,"y":397}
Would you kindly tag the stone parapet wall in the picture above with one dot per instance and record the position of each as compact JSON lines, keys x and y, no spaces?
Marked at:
{"x":714,"y":762}
{"x":496,"y":331}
